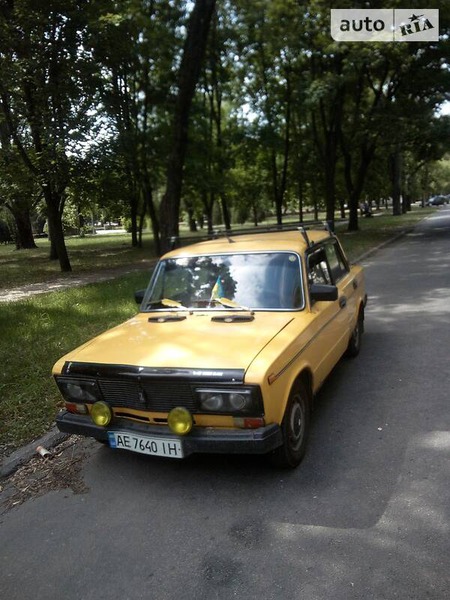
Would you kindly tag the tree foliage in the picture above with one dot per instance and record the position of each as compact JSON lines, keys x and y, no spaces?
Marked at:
{"x":220,"y":111}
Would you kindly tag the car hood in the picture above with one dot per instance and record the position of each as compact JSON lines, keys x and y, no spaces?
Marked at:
{"x":196,"y":341}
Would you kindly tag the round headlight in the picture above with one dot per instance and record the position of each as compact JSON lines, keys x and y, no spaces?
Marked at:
{"x":101,"y":414}
{"x":210,"y":401}
{"x":75,"y":391}
{"x":237,"y":401}
{"x":180,"y":420}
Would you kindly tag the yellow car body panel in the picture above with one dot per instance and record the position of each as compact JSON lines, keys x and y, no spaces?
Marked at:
{"x":195,"y":342}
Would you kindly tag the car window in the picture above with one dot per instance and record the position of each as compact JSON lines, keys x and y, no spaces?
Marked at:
{"x":336,"y":261}
{"x":255,"y":280}
{"x":318,"y":271}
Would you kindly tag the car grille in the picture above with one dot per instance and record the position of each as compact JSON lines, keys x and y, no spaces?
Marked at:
{"x":157,"y":396}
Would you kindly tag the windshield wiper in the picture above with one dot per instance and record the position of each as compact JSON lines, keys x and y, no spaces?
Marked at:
{"x":229,"y":304}
{"x":167,"y":303}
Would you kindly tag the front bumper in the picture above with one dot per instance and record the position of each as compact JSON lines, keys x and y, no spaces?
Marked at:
{"x":211,"y":440}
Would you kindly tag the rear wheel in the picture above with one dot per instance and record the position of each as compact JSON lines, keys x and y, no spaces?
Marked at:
{"x":295,"y":429}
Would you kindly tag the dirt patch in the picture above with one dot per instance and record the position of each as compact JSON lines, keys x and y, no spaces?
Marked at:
{"x":60,"y":469}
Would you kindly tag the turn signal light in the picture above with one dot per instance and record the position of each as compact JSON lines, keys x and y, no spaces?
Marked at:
{"x":249,"y":422}
{"x":78,"y":409}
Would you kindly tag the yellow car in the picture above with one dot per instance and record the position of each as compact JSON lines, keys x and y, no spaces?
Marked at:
{"x":232,"y":341}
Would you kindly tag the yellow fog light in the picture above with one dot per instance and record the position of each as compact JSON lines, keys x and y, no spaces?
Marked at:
{"x":180,"y":420}
{"x":101,"y":414}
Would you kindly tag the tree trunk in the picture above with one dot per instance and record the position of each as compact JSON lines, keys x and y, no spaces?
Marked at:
{"x":300,"y":199}
{"x":55,"y":229}
{"x":287,"y":144}
{"x":141,"y":224}
{"x":255,"y":214}
{"x":191,"y":219}
{"x":396,"y":177}
{"x":24,"y":233}
{"x":148,"y":191}
{"x":208,"y":204}
{"x":134,"y":219}
{"x":193,"y":54}
{"x":276,"y":194}
{"x":327,"y":149}
{"x":225,"y":212}
{"x":330,"y":190}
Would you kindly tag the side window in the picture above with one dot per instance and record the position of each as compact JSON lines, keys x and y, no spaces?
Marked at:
{"x":335,"y":260}
{"x":318,"y":271}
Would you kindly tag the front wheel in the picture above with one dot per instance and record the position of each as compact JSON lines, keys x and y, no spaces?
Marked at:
{"x":354,"y":345}
{"x":295,"y":429}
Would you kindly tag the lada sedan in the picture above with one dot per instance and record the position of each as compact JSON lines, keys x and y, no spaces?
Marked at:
{"x":233,"y":339}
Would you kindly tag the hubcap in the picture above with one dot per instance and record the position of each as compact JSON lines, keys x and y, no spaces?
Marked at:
{"x":297,"y":424}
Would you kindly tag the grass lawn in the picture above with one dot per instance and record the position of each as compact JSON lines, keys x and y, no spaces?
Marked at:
{"x":87,"y":255}
{"x":375,"y":230}
{"x":38,"y":331}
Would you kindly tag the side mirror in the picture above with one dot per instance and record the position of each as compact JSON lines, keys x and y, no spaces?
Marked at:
{"x":139,"y":296}
{"x":323,"y":292}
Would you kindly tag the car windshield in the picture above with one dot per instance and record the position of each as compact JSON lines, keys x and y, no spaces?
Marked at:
{"x":270,"y":280}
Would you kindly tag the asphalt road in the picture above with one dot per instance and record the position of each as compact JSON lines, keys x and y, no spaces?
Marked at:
{"x":366,"y":516}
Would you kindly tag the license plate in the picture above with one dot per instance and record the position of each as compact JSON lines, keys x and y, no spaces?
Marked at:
{"x":154,"y":446}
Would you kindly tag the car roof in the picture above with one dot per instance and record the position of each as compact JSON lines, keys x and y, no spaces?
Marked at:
{"x":282,"y":241}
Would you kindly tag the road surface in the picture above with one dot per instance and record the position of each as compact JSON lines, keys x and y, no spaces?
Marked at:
{"x":366,"y":515}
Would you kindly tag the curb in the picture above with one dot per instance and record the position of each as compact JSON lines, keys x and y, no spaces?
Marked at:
{"x":21,"y":456}
{"x":369,"y":253}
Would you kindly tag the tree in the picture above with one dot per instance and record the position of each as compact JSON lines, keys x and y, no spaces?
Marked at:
{"x":17,"y":190}
{"x":188,"y":75}
{"x":42,"y":78}
{"x":136,"y":45}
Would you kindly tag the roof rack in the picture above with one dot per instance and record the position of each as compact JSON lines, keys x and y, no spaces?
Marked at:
{"x":302,"y":227}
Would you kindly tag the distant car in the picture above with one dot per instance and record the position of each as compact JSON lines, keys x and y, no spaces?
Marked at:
{"x":437,"y":201}
{"x":234,"y":337}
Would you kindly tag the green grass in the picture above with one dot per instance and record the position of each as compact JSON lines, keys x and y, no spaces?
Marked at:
{"x":378,"y":229}
{"x":87,"y":255}
{"x":36,"y":332}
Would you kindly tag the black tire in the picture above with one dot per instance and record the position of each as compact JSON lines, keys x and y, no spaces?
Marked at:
{"x":295,"y":429}
{"x":354,"y":345}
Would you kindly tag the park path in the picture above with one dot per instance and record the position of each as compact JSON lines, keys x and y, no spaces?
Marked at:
{"x":71,"y":280}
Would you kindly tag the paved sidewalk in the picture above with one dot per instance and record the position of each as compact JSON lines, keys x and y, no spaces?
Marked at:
{"x":62,"y":283}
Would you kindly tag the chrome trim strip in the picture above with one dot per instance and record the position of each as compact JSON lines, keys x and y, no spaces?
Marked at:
{"x":73,"y":368}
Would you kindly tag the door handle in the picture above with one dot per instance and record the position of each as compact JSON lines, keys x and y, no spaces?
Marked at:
{"x":342,"y":301}
{"x":355,"y":284}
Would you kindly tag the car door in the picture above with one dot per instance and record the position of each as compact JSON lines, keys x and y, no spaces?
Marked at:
{"x":345,"y":282}
{"x":330,"y":333}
